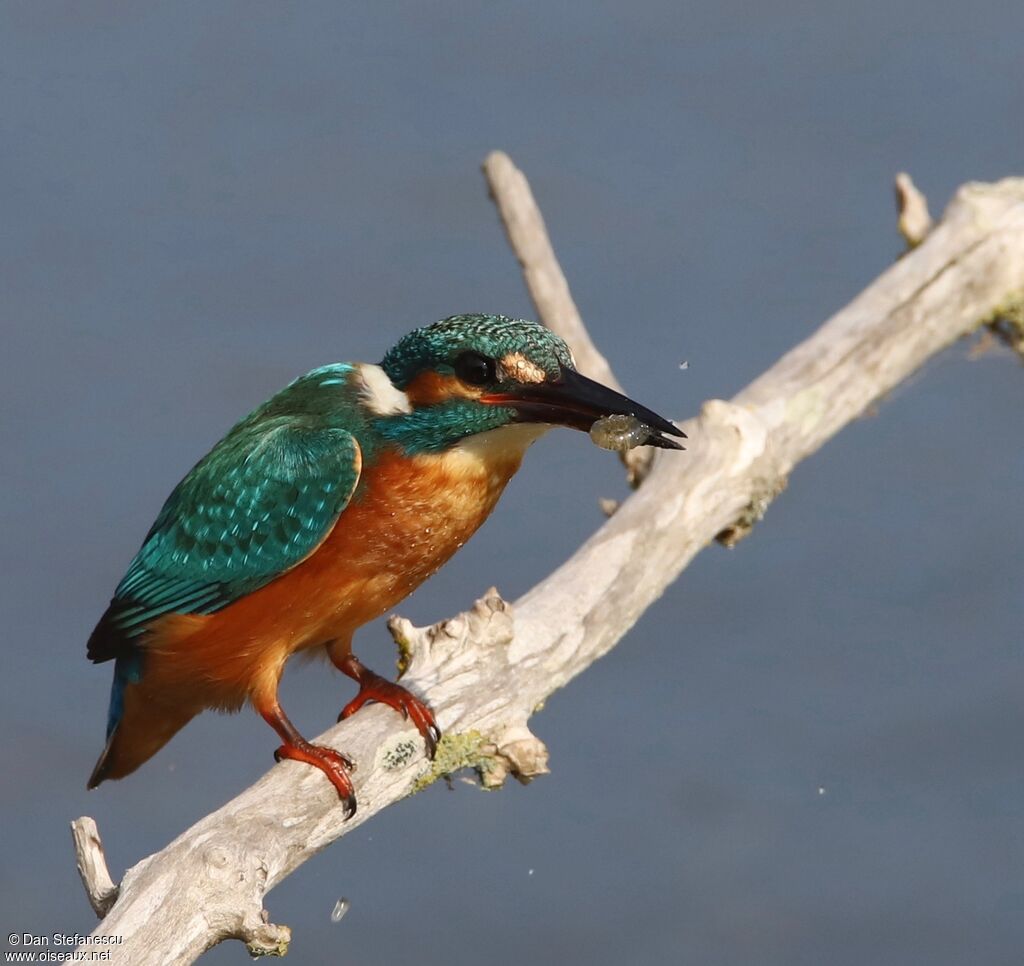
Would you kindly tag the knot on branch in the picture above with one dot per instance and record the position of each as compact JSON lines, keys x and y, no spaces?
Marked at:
{"x":765,"y":490}
{"x":1007,"y":323}
{"x":235,"y":884}
{"x":263,"y":938}
{"x":985,"y":205}
{"x":423,"y":651}
{"x":518,"y":752}
{"x":730,"y":423}
{"x":740,"y":439}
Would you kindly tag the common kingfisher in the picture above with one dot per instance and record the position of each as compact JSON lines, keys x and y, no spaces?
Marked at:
{"x":318,"y":512}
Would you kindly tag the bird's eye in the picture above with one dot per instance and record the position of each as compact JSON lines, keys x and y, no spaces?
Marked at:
{"x":474,"y":369}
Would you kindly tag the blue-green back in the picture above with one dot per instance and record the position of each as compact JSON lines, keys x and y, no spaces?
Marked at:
{"x":252,"y":508}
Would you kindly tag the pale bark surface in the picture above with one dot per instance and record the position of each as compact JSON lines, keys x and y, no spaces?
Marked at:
{"x":485,"y":671}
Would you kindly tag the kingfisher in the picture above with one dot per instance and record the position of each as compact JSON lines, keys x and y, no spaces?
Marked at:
{"x":320,"y":511}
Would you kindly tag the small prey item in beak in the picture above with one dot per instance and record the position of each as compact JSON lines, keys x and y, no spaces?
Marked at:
{"x":620,"y":433}
{"x":573,"y":400}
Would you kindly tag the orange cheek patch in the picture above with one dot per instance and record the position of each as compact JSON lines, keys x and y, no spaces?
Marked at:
{"x":433,"y":387}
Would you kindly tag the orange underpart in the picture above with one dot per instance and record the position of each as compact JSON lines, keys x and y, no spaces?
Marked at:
{"x":407,"y":517}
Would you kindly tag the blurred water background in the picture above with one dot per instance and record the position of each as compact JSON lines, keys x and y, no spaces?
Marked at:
{"x":809,"y":750}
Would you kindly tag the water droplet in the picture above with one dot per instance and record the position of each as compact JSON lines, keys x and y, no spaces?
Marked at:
{"x":530,"y":872}
{"x":821,"y":789}
{"x":340,"y":908}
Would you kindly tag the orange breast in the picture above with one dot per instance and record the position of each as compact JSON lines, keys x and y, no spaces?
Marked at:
{"x":404,"y":524}
{"x":407,"y":517}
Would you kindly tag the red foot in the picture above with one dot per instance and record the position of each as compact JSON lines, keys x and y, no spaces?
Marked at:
{"x":332,"y":763}
{"x":372,"y":687}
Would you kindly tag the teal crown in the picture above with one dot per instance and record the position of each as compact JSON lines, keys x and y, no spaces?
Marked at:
{"x":436,"y":346}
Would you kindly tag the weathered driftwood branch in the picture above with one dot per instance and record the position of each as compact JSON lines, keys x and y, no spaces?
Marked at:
{"x":486,"y":670}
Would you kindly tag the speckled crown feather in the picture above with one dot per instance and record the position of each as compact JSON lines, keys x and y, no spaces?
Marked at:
{"x":435,"y":346}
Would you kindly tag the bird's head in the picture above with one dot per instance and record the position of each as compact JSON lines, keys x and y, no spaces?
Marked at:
{"x":471,"y":374}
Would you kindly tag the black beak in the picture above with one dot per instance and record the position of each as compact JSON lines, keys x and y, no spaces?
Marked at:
{"x":576,"y":401}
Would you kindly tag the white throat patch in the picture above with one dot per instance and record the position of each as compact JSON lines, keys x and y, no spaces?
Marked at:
{"x":505,"y":441}
{"x":378,"y":393}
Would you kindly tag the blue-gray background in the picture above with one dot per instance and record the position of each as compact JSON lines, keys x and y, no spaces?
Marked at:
{"x":810,"y":749}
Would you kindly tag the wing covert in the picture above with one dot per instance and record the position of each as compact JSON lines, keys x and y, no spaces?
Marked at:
{"x":259,"y":503}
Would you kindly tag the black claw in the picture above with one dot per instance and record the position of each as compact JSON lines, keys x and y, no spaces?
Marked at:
{"x":431,"y":738}
{"x":349,"y":804}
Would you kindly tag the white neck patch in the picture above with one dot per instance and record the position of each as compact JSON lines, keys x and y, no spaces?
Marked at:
{"x":379,"y":394}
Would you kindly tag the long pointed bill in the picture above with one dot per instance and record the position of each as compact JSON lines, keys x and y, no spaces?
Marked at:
{"x":576,"y":401}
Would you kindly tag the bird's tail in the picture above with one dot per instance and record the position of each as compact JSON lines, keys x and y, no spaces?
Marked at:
{"x":139,"y":725}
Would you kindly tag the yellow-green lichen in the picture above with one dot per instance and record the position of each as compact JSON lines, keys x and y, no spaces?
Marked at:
{"x":258,"y":948}
{"x":404,"y":646}
{"x":468,"y":749}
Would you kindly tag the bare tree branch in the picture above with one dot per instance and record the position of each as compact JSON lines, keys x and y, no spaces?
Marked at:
{"x":486,"y":670}
{"x":545,"y":281}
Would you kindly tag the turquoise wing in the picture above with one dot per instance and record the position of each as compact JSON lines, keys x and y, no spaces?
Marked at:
{"x":259,"y":503}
